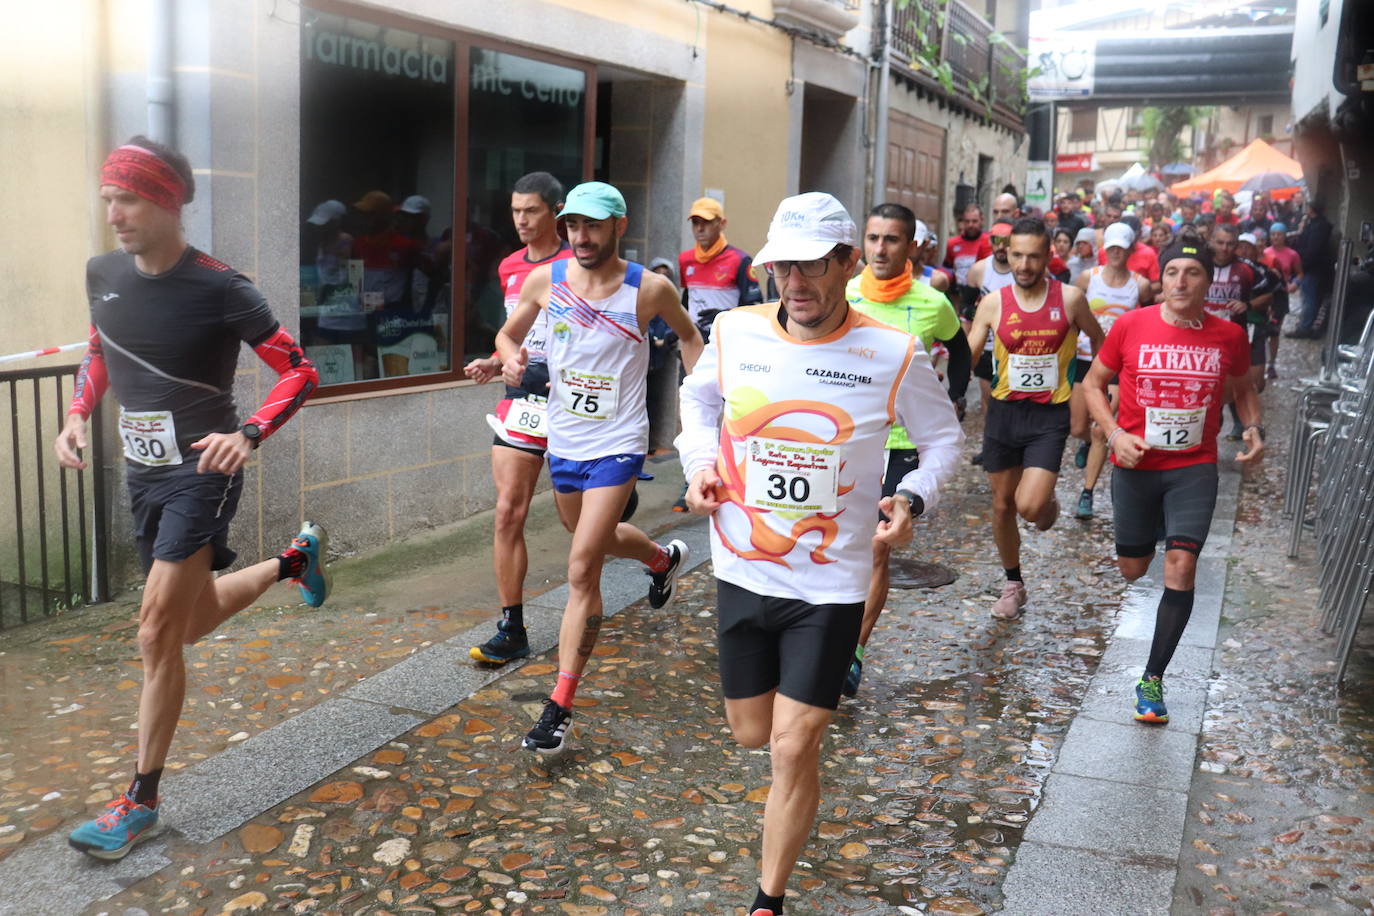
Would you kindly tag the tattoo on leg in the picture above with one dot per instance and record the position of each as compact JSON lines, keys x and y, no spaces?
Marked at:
{"x":589,"y":634}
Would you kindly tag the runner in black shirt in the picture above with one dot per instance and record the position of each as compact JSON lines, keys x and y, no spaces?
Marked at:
{"x":166,"y":326}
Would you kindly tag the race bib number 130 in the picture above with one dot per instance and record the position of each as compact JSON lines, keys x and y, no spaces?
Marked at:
{"x":149,"y":437}
{"x":791,"y":476}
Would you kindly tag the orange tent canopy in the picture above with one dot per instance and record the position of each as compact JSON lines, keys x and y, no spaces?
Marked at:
{"x":1230,"y":175}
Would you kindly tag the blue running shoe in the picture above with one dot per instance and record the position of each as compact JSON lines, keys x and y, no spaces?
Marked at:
{"x":314,"y":581}
{"x":117,"y":831}
{"x":1080,"y":457}
{"x":1149,"y":701}
{"x":510,"y":642}
{"x":852,"y":678}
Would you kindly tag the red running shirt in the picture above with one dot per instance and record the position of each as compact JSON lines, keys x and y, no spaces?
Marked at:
{"x":961,"y":254}
{"x":1173,"y":383}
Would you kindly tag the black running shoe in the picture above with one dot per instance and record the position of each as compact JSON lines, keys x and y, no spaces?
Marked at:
{"x":976,"y":459}
{"x":548,"y":733}
{"x":510,"y":642}
{"x":663,"y":586}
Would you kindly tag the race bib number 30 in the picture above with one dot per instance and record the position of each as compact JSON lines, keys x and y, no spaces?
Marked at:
{"x":1033,"y":374}
{"x":529,"y":416}
{"x":149,"y":437}
{"x":589,"y":395}
{"x":791,"y":476}
{"x":1174,"y":429}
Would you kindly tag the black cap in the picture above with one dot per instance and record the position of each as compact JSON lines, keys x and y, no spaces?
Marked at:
{"x":1187,"y":247}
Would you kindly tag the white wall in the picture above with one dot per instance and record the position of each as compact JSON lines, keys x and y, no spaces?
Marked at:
{"x":1314,"y":49}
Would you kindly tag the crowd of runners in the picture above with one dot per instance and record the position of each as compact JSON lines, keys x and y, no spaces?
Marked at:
{"x":821,"y":388}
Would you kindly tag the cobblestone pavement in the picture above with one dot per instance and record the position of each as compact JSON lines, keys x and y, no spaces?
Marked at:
{"x":1281,"y":814}
{"x":929,"y":778}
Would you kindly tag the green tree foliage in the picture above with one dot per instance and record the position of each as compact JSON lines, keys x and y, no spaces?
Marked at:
{"x":1162,"y":129}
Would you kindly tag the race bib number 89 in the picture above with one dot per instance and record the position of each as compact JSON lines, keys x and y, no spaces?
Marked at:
{"x":1173,"y":429}
{"x":529,"y":416}
{"x":149,"y":437}
{"x":1033,"y":374}
{"x":791,"y":476}
{"x":589,"y":395}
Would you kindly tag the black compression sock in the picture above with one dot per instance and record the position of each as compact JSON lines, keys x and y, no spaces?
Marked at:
{"x":1175,"y":607}
{"x":1014,"y":574}
{"x":762,"y":900}
{"x":291,"y":564}
{"x":514,"y":614}
{"x":143,"y":790}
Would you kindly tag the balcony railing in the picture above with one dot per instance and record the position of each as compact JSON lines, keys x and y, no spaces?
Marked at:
{"x":950,"y":31}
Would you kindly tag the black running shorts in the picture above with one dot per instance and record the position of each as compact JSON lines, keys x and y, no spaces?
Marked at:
{"x":1259,"y":347}
{"x":534,"y":450}
{"x":803,"y":650}
{"x":177,"y":511}
{"x":1024,"y":434}
{"x":1177,"y":502}
{"x":900,"y":462}
{"x":983,"y":368}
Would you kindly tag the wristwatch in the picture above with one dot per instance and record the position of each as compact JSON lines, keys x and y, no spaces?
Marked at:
{"x":251,"y":433}
{"x":918,"y":505}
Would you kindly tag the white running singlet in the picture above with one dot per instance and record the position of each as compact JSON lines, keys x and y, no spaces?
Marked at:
{"x":1108,"y":304}
{"x":801,"y":448}
{"x":598,"y":370}
{"x":993,"y":280}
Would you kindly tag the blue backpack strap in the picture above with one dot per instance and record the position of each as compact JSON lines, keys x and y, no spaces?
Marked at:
{"x":560,"y":271}
{"x":633,"y":273}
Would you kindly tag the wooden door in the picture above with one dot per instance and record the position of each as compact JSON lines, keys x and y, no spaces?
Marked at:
{"x":915,"y":166}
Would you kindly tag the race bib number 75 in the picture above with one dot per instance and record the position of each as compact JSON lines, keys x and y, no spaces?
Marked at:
{"x":589,"y":395}
{"x":791,"y":476}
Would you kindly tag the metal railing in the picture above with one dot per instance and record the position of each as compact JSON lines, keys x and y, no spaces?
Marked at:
{"x":1333,"y":442}
{"x":949,"y":30}
{"x":54,"y":555}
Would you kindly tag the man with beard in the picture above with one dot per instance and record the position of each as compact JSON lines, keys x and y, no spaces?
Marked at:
{"x":598,"y":307}
{"x":969,"y":246}
{"x":888,"y":291}
{"x":1036,"y":323}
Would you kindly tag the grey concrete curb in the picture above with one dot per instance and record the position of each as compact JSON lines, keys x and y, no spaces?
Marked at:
{"x":218,"y":795}
{"x":1108,"y":833}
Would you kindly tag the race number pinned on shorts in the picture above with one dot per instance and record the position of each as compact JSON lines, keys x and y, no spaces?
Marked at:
{"x":149,"y":437}
{"x":791,"y":476}
{"x":1033,"y":374}
{"x":1175,"y":429}
{"x":589,"y":395}
{"x":529,"y":416}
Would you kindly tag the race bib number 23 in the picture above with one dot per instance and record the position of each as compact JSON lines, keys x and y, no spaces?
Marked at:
{"x":791,"y":476}
{"x":1033,"y":374}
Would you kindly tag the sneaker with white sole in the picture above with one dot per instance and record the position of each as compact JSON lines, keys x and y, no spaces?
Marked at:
{"x":111,"y":835}
{"x":549,"y":732}
{"x":1009,"y":605}
{"x":663,"y":586}
{"x":314,"y":580}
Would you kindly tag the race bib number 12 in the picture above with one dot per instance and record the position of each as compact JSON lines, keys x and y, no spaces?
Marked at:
{"x":1174,"y":429}
{"x":149,"y":437}
{"x":791,"y":476}
{"x":589,"y":395}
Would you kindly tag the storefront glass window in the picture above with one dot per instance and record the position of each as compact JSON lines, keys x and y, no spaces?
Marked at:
{"x":525,"y":115}
{"x":377,"y":198}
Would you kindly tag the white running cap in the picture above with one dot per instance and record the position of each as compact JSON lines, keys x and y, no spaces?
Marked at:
{"x":807,"y":227}
{"x":1118,"y":235}
{"x":329,"y":210}
{"x":921,"y":234}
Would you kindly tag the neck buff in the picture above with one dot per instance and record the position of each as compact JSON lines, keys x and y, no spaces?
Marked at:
{"x":138,"y":171}
{"x":705,"y":254}
{"x":875,"y":290}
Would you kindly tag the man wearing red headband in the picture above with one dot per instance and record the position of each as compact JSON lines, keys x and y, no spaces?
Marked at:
{"x":166,"y":325}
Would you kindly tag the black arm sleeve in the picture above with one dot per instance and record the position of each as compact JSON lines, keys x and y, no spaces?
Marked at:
{"x":960,"y":364}
{"x":748,"y":289}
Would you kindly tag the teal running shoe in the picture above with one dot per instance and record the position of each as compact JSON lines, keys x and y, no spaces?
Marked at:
{"x":1149,"y":701}
{"x":314,"y":580}
{"x":1085,"y":505}
{"x":852,"y":678}
{"x":117,"y":831}
{"x":1080,"y":457}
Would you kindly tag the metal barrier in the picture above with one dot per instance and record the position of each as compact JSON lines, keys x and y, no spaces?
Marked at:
{"x":54,"y":557}
{"x":1333,"y":441}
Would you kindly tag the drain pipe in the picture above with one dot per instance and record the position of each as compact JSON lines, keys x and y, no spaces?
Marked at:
{"x":880,"y":133}
{"x":161,"y":88}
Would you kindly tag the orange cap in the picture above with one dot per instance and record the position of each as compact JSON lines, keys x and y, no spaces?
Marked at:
{"x":707,"y":208}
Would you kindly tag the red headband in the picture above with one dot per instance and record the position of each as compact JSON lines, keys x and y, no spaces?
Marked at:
{"x":139,"y":171}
